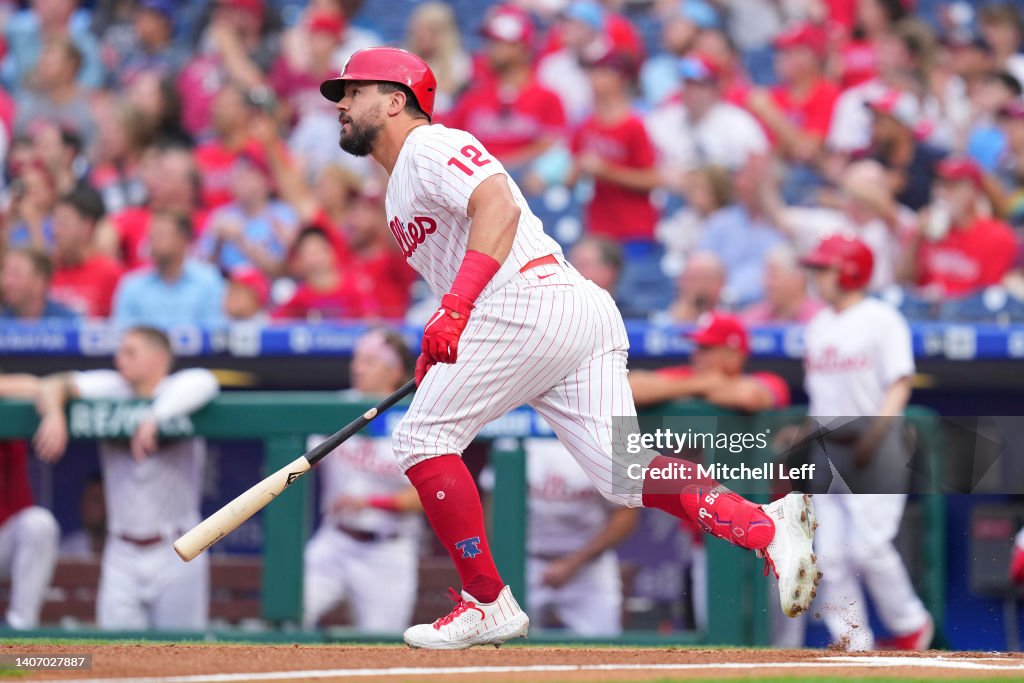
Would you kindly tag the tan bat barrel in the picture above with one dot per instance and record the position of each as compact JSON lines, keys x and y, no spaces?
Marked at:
{"x":228,"y":518}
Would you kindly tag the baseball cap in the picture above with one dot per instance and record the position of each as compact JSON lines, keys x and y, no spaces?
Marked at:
{"x":508,"y":24}
{"x":898,"y":104}
{"x":960,"y":169}
{"x":587,"y":12}
{"x":162,"y":7}
{"x":699,"y":69}
{"x":721,"y":329}
{"x":253,"y":280}
{"x":326,"y":22}
{"x":700,"y":13}
{"x":803,"y":34}
{"x":617,"y":60}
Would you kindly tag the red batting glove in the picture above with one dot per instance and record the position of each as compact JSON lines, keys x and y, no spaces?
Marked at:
{"x":441,"y":335}
{"x":421,"y":368}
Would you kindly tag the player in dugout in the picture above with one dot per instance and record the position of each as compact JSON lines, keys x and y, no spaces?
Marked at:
{"x":517,"y":325}
{"x":371,"y":525}
{"x":152,"y":485}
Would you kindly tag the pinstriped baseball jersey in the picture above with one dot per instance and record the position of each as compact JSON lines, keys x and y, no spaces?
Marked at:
{"x":544,"y":337}
{"x":428,"y":195}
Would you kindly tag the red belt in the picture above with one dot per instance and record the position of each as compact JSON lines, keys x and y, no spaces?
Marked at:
{"x":548,"y":260}
{"x":141,"y":542}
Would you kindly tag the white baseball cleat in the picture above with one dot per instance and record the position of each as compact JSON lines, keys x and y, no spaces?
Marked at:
{"x":790,"y":553}
{"x":472,"y":623}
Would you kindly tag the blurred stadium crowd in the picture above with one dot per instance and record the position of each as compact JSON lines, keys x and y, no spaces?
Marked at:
{"x":174,"y":162}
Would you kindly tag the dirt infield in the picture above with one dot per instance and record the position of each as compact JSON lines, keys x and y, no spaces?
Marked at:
{"x":236,"y":663}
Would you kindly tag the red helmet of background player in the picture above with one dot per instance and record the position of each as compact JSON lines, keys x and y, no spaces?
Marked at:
{"x":849,"y":255}
{"x":389,"y":64}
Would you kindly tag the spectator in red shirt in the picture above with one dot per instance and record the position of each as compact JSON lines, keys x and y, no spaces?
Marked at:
{"x":959,"y":250}
{"x":236,"y":47}
{"x":798,"y":112}
{"x":323,"y":291}
{"x":859,"y":55}
{"x":28,"y":534}
{"x":85,"y":279}
{"x":514,"y":116}
{"x":232,"y":116}
{"x":173,"y":186}
{"x":613,"y":148}
{"x":715,"y":374}
{"x":376,"y":268}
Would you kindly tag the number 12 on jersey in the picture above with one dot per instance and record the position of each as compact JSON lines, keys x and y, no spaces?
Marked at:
{"x":474,"y":155}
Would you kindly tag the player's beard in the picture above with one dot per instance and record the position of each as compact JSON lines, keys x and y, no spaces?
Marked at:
{"x":361,"y":137}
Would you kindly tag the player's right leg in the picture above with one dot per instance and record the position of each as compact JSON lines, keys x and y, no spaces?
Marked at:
{"x":843,"y":606}
{"x":874,"y":522}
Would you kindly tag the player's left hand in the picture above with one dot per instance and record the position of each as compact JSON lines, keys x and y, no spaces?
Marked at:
{"x":560,"y":571}
{"x":441,"y":335}
{"x":422,"y":366}
{"x":144,"y":440}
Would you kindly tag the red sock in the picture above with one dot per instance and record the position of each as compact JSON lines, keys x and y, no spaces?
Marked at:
{"x":716,"y":509}
{"x":452,"y":505}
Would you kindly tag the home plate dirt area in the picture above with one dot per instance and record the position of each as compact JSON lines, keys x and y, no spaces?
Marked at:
{"x":180,"y":663}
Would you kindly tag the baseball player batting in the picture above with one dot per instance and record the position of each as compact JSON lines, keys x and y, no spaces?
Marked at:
{"x":517,"y":324}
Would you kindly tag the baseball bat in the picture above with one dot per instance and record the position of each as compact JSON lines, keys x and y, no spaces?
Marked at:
{"x":230,"y":517}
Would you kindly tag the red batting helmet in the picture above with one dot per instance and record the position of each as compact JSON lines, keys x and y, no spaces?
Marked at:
{"x":849,"y":255}
{"x":389,"y":64}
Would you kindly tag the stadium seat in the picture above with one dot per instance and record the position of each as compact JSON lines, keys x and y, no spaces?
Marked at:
{"x":990,"y":305}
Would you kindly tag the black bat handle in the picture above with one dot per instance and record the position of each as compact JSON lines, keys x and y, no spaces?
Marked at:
{"x":317,"y":453}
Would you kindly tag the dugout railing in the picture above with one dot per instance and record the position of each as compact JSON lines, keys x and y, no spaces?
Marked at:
{"x":282,"y":421}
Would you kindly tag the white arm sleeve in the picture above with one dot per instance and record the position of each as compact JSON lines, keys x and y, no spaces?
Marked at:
{"x":896,"y":349}
{"x":184,"y":392}
{"x":101,"y":384}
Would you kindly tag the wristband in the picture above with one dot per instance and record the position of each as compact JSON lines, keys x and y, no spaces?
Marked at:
{"x":476,"y":271}
{"x":386,"y":503}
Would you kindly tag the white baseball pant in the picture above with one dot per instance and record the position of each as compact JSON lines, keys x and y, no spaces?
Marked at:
{"x":590,"y":604}
{"x":377,"y":578}
{"x":149,"y":587}
{"x":28,"y":554}
{"x":549,"y":338}
{"x":854,"y":542}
